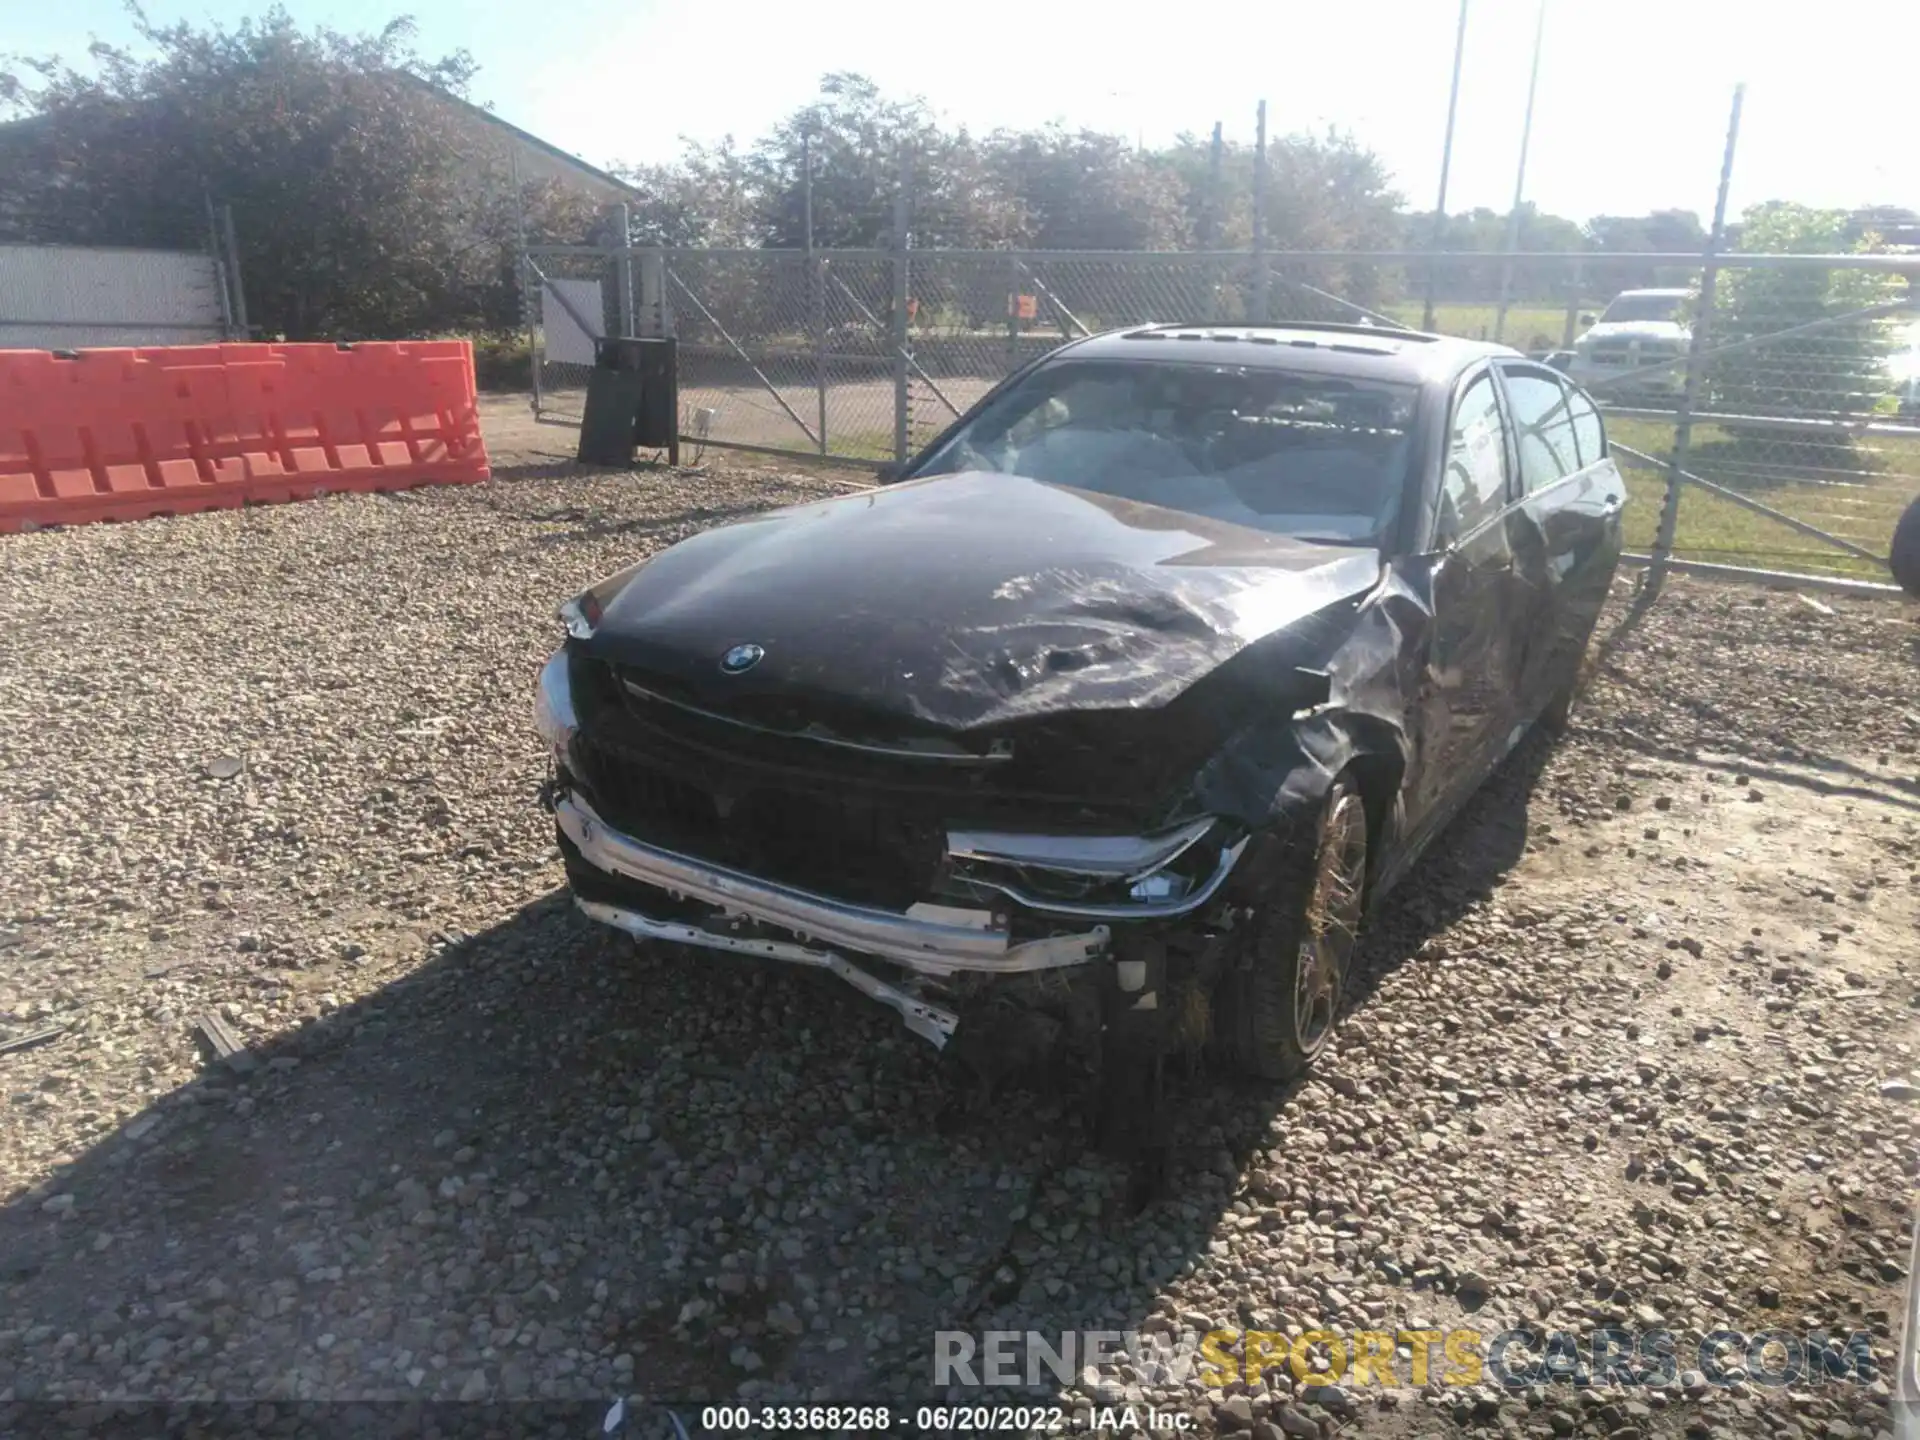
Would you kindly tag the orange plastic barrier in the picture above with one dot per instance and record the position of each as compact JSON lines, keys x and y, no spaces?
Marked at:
{"x":123,"y":434}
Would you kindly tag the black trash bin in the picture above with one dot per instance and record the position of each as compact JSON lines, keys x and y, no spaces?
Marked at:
{"x":633,"y":399}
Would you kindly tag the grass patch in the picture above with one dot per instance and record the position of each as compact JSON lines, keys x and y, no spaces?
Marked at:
{"x":1856,"y":491}
{"x":866,"y":444}
{"x":1526,"y":324}
{"x":841,"y":445}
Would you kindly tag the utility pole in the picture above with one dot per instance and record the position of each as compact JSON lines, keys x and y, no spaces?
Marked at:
{"x":1446,"y":161}
{"x":806,"y":190}
{"x":1212,"y":239}
{"x":1697,"y":346}
{"x":902,"y":241}
{"x":532,"y":301}
{"x":1260,"y":216}
{"x":816,"y":287}
{"x":1520,"y":178}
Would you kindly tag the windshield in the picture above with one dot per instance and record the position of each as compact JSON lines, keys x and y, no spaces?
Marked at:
{"x":1643,"y":307}
{"x":1316,"y":456}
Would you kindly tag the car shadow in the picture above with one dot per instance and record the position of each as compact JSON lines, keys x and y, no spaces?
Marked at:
{"x":1762,"y":757}
{"x":576,"y":1167}
{"x":1758,"y":459}
{"x":1766,"y":458}
{"x":1460,"y":870}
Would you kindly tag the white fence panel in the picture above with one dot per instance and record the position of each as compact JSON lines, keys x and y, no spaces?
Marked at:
{"x":64,"y":297}
{"x":567,"y":343}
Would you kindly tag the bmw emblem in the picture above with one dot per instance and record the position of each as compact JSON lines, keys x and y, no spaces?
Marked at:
{"x":741,"y":658}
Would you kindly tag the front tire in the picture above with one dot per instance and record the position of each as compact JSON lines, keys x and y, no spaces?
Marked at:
{"x":1557,"y":717}
{"x":1282,"y":1001}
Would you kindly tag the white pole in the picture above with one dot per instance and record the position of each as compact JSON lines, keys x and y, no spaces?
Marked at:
{"x":1520,"y":177}
{"x":1446,"y":163}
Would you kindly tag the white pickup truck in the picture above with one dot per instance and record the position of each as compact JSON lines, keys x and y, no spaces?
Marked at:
{"x":1639,"y":328}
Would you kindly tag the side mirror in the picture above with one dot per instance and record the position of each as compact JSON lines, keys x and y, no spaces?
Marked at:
{"x":1586,"y":320}
{"x":888,"y":473}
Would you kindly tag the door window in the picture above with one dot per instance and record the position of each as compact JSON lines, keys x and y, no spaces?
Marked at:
{"x":1543,"y":426}
{"x":1588,"y":433}
{"x":1473,"y":488}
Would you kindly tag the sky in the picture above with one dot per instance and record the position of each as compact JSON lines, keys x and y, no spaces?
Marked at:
{"x":1631,"y":112}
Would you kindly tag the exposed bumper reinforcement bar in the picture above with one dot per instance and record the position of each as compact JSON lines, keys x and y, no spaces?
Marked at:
{"x":929,"y":1022}
{"x":957,"y":941}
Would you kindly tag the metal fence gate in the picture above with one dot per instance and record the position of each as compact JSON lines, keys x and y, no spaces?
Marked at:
{"x":1801,"y":451}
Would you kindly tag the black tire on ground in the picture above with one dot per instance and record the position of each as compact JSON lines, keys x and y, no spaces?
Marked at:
{"x":1277,"y":1009}
{"x":1904,"y":554}
{"x":1558,"y":715}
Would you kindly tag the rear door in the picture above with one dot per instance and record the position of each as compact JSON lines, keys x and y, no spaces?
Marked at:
{"x":1566,"y":535}
{"x":1467,"y":705}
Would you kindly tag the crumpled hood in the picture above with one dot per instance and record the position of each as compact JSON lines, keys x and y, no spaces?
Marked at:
{"x":970,"y":600}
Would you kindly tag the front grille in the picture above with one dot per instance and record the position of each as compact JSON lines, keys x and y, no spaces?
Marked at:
{"x":1645,"y":354}
{"x":676,"y":812}
{"x":839,"y":844}
{"x":865,"y":828}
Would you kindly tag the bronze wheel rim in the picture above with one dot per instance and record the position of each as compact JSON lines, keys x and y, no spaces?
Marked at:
{"x":1332,"y":921}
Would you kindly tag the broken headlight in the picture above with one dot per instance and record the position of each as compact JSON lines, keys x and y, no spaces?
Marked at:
{"x":1108,"y":872}
{"x":582,"y":614}
{"x":1168,"y":884}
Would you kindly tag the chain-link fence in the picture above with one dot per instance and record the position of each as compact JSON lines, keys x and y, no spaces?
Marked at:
{"x":1800,"y":450}
{"x":1801,"y":444}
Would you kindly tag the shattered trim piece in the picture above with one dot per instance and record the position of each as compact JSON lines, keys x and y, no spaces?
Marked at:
{"x":1121,"y":857}
{"x":929,"y":1022}
{"x":1131,"y":909}
{"x":226,"y":1043}
{"x":33,"y":1038}
{"x":928,"y":946}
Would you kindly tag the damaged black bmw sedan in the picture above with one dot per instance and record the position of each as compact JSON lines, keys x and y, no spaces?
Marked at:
{"x":1106,"y":717}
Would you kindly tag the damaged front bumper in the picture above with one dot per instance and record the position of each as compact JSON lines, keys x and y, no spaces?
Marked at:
{"x":930,"y":940}
{"x":927,"y":943}
{"x":930,"y":1022}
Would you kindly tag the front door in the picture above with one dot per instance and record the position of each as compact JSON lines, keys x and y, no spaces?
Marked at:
{"x":1467,"y":708}
{"x":1567,"y":541}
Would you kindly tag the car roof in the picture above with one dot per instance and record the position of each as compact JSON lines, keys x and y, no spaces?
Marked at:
{"x":1376,"y":352}
{"x":1664,"y":294}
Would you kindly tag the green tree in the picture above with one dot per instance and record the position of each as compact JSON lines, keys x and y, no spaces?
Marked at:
{"x":1668,"y":231}
{"x":705,"y":197}
{"x":1323,"y":192}
{"x":1081,"y":190}
{"x":1676,"y":232}
{"x":857,"y":141}
{"x":1839,"y":369}
{"x":1482,"y":232}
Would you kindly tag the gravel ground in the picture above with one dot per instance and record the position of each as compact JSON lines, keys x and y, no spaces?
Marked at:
{"x":1629,"y":1047}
